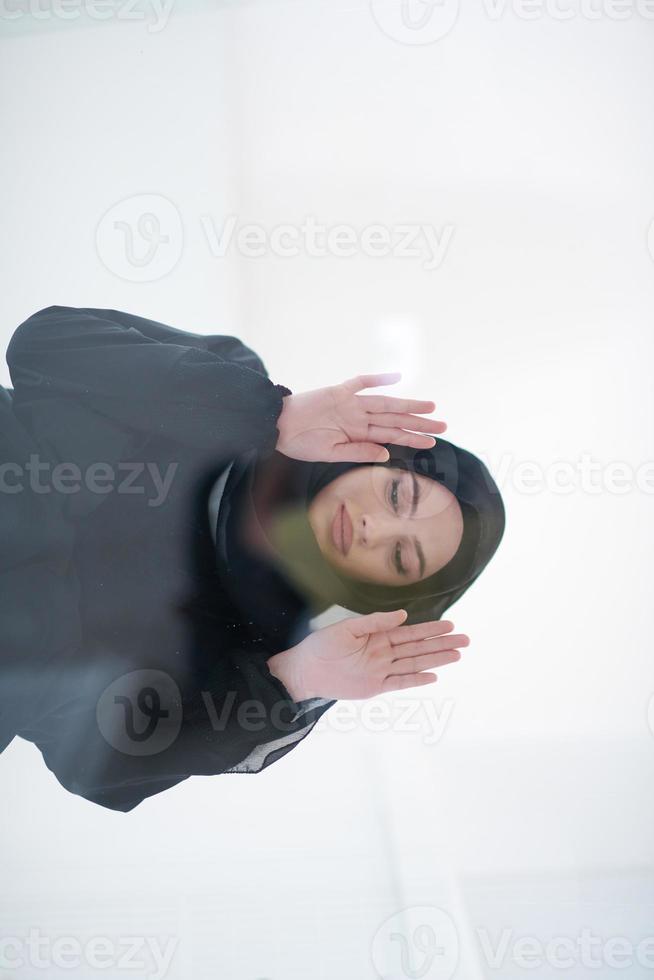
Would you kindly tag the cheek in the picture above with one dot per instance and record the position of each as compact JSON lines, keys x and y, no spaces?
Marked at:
{"x":365,"y":567}
{"x":353,"y":565}
{"x":318,"y":513}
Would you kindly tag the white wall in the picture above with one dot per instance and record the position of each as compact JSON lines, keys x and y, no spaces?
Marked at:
{"x":529,"y":143}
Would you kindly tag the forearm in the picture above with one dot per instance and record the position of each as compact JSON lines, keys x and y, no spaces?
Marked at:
{"x":164,"y":382}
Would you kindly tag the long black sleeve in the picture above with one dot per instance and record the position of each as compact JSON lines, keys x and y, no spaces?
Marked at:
{"x":206,"y":392}
{"x":144,"y":735}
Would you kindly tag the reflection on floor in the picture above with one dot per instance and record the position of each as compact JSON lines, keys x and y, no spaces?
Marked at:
{"x":361,"y":856}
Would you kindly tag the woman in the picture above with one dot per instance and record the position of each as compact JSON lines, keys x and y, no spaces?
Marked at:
{"x":172,"y":520}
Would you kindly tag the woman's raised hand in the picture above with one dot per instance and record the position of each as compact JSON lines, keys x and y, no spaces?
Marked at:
{"x":338,"y":425}
{"x":364,"y":656}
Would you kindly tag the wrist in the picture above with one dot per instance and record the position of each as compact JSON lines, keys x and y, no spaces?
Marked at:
{"x":287,"y":668}
{"x":283,"y":419}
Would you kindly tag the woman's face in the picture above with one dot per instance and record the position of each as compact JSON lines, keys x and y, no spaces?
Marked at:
{"x":386,"y":526}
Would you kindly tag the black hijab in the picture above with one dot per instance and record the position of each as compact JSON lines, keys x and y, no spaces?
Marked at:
{"x":280,"y":596}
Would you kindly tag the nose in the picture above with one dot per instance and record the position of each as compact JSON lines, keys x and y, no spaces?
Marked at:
{"x":375,"y":530}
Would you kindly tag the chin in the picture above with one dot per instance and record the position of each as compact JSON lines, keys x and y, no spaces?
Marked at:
{"x":335,"y":559}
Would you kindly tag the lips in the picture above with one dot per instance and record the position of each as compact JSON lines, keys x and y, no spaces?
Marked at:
{"x":342,"y":530}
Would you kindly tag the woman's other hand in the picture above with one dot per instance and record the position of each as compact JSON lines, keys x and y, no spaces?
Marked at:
{"x":338,"y":425}
{"x":364,"y":656}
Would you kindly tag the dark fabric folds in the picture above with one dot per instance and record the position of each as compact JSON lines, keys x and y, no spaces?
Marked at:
{"x":120,"y":653}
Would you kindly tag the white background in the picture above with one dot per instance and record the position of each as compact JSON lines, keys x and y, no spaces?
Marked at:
{"x":532,"y":140}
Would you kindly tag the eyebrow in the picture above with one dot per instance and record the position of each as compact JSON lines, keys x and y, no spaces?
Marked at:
{"x":421,"y":556}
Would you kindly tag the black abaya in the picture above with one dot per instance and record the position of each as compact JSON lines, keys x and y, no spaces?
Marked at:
{"x":123,"y":659}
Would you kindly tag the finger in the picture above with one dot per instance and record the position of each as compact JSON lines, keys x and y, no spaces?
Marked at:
{"x":405,"y":681}
{"x":414,"y":665}
{"x":394,"y":420}
{"x":435,"y":644}
{"x":398,"y":437}
{"x":358,"y":452}
{"x":362,"y":381}
{"x":379,"y":622}
{"x":408,"y":634}
{"x":386,"y":403}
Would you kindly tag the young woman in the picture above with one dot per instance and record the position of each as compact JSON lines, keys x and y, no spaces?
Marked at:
{"x":170,"y":522}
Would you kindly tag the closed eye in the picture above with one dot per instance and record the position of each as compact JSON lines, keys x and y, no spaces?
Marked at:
{"x":416,"y":495}
{"x":397,"y":557}
{"x":395,"y":495}
{"x":395,"y":486}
